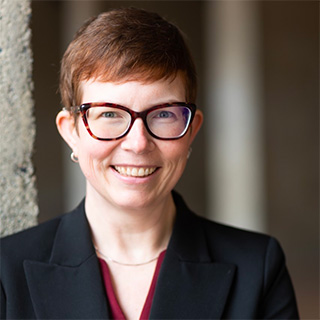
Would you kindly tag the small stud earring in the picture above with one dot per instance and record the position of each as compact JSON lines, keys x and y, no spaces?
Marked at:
{"x":189,"y":153}
{"x":74,"y":158}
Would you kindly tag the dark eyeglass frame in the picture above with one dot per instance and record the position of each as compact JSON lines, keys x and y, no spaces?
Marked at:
{"x":82,"y":109}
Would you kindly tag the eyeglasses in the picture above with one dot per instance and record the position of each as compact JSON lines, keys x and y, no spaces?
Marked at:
{"x":109,"y":121}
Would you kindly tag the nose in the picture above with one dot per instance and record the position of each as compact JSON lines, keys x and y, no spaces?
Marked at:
{"x":138,"y":140}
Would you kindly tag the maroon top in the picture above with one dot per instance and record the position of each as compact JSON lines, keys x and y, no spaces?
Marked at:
{"x":116,"y":311}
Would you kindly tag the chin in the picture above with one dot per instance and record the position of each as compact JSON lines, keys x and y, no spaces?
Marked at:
{"x":133,"y":200}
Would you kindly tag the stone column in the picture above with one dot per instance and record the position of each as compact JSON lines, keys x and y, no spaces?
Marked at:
{"x":18,"y":195}
{"x":233,"y":117}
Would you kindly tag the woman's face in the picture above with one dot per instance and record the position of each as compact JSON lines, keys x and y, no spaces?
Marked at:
{"x":137,"y":170}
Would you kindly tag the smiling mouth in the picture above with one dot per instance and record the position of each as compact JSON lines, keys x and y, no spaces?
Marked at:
{"x":135,"y":172}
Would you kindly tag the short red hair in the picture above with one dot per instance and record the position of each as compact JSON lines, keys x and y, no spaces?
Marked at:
{"x":123,"y":45}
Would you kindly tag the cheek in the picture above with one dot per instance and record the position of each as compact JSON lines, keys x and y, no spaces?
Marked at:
{"x":176,"y":154}
{"x":175,"y":158}
{"x":90,"y":148}
{"x":94,"y":155}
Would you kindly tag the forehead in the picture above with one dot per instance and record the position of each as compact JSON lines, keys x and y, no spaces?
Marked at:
{"x":134,"y":93}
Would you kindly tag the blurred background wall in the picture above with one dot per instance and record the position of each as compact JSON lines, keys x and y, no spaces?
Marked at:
{"x":255,"y":162}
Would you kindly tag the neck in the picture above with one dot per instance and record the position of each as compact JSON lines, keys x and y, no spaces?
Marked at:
{"x":130,"y":235}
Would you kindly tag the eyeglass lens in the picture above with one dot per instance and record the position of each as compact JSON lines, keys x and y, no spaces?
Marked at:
{"x":167,"y":122}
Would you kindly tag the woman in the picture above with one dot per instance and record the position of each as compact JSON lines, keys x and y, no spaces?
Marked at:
{"x":132,"y":249}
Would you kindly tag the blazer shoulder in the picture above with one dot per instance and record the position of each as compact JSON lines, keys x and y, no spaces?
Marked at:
{"x":32,"y":243}
{"x":36,"y":243}
{"x":230,"y":243}
{"x":225,"y":243}
{"x":230,"y":232}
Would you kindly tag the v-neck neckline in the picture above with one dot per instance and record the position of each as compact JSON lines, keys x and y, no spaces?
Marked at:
{"x":116,"y":310}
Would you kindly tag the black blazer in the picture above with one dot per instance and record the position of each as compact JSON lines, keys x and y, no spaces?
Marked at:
{"x":210,"y":271}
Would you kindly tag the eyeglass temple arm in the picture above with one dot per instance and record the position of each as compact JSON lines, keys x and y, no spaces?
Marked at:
{"x":72,"y":109}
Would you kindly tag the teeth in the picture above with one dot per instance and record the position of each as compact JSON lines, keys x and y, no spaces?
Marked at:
{"x":135,"y":172}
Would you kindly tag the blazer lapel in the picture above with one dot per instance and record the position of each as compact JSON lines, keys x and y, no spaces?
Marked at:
{"x":188,"y":290}
{"x":191,"y":285}
{"x":69,"y":286}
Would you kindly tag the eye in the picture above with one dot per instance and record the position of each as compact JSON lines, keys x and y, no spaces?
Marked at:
{"x":109,"y":114}
{"x":165,"y":114}
{"x":106,"y":114}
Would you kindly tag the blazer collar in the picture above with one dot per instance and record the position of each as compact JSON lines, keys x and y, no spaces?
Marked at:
{"x":69,"y":285}
{"x":73,"y":243}
{"x":191,"y":285}
{"x":188,"y":237}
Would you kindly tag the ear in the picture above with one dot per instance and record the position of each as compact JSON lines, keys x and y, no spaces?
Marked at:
{"x":196,"y":124}
{"x":67,"y":128}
